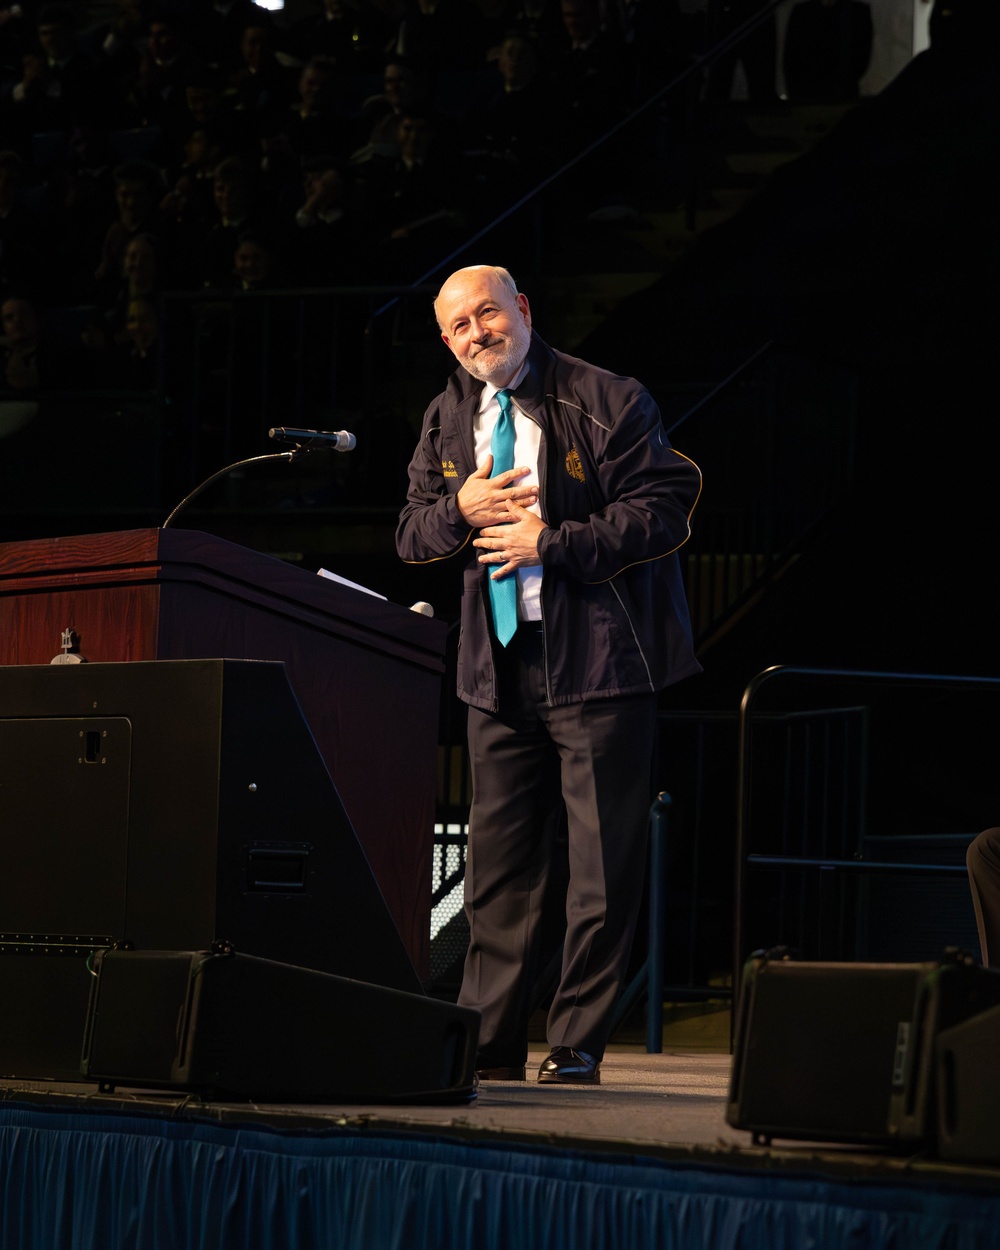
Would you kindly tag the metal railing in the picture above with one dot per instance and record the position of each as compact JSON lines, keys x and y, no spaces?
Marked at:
{"x":845,"y":777}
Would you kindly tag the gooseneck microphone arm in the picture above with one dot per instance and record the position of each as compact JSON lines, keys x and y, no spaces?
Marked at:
{"x":238,"y":464}
{"x":304,"y":440}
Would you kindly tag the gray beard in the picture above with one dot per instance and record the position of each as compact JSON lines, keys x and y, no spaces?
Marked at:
{"x":503,"y":364}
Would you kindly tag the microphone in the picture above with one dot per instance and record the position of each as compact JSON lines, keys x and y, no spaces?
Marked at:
{"x":334,"y":440}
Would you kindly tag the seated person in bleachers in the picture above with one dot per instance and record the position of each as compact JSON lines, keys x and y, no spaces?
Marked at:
{"x":312,"y":126}
{"x":417,"y":202}
{"x":191,"y":187}
{"x":595,"y":76}
{"x":239,"y":209}
{"x":262,"y":88}
{"x":23,"y":363}
{"x":328,"y":241}
{"x":155,"y":93}
{"x":518,"y":125}
{"x":351,"y":34}
{"x":498,"y":21}
{"x":258,"y":264}
{"x":35,"y":357}
{"x":218,"y":26}
{"x":61,"y":86}
{"x":140,"y":269}
{"x":441,"y":36}
{"x":74,"y":207}
{"x":22,"y":253}
{"x":107,"y":326}
{"x":131,"y":363}
{"x":540,"y":20}
{"x":115,"y":43}
{"x":138,"y":189}
{"x":404,"y":89}
{"x":15,"y":34}
{"x":22,"y":344}
{"x":205,"y":110}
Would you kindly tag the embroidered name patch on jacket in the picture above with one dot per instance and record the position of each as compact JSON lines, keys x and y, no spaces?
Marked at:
{"x":448,"y":466}
{"x":574,"y":466}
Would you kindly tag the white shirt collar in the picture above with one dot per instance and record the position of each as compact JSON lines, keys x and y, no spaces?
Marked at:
{"x":489,"y":390}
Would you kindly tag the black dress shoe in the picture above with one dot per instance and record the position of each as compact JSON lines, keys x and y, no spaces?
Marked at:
{"x":500,"y":1074}
{"x":566,"y":1066}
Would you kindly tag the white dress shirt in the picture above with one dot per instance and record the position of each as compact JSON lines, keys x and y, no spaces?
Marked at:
{"x":527,"y":442}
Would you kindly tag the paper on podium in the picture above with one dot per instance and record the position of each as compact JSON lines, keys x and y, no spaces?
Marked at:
{"x":335,"y":577}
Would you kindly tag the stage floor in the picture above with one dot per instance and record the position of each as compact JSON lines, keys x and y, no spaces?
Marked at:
{"x":669,"y":1106}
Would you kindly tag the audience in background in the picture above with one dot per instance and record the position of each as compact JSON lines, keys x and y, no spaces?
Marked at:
{"x":136,"y":195}
{"x":441,"y":35}
{"x":312,"y":125}
{"x":595,"y":73}
{"x":106,"y":326}
{"x":238,"y":209}
{"x":518,"y":126}
{"x":60,"y":85}
{"x":404,"y":89}
{"x":22,"y":344}
{"x":21,"y":369}
{"x":329,"y":237}
{"x":263,"y":87}
{"x":20,"y":229}
{"x":349,"y":34}
{"x":255,"y":264}
{"x":414,"y":199}
{"x":213,"y":144}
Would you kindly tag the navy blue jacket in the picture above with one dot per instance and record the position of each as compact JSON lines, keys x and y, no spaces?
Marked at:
{"x":618,"y":501}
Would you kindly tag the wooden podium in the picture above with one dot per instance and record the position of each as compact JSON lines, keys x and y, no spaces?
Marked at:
{"x":366,"y":673}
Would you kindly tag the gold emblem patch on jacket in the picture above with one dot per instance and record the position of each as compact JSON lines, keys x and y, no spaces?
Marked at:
{"x":574,"y":466}
{"x":449,"y":468}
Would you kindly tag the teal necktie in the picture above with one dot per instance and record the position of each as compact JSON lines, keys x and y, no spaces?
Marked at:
{"x":503,"y":593}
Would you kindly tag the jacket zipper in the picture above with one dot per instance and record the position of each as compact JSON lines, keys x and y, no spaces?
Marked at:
{"x":543,"y":453}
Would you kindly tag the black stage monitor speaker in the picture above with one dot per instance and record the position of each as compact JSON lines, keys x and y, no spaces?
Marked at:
{"x":968,"y":1090}
{"x":845,"y":1052}
{"x":229,"y":1025}
{"x":168,"y":805}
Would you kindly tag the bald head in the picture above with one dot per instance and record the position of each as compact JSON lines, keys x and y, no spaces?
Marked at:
{"x":485,"y":322}
{"x":471,"y":275}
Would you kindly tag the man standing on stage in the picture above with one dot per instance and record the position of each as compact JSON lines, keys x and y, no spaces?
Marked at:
{"x":557,"y":479}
